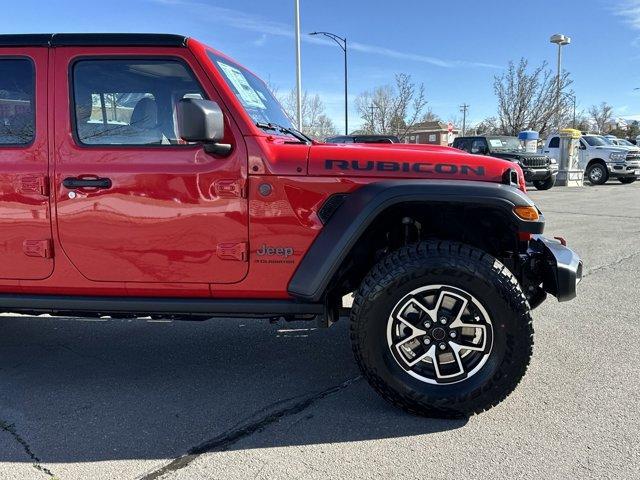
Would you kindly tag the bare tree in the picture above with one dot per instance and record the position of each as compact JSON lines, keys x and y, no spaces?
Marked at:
{"x":315,"y":123}
{"x":392,"y":110}
{"x":601,"y":114}
{"x":488,"y":126}
{"x":527,"y":99}
{"x":430,"y":116}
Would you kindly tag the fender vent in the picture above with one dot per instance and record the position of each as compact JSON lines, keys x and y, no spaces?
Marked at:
{"x":330,"y":206}
{"x":510,"y":177}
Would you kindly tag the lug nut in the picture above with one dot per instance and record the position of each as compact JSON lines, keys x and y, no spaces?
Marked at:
{"x":452,"y":334}
{"x":427,"y":325}
{"x":443,"y":320}
{"x":442,"y":346}
{"x":427,"y":340}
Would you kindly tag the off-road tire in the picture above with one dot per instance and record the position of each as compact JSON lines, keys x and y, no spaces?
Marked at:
{"x":597,"y":179}
{"x":544,"y":184}
{"x":463,"y":267}
{"x":627,"y":180}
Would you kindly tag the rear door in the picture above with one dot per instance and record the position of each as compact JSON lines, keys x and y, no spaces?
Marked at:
{"x":134,"y":202}
{"x":25,"y":221}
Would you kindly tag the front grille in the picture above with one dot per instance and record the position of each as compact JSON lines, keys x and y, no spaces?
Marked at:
{"x":535,"y":161}
{"x":633,"y":156}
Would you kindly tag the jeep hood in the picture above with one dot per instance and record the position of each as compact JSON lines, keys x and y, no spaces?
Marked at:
{"x":406,"y":161}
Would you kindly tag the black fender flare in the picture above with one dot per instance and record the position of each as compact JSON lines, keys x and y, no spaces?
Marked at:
{"x":360,"y":208}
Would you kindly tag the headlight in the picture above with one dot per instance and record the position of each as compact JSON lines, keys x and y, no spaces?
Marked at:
{"x":553,"y":161}
{"x":618,"y":156}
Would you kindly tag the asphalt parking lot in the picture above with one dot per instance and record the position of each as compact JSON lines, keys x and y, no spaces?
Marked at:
{"x":229,"y":399}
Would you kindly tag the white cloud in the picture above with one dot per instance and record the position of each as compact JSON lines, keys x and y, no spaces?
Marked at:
{"x":245,"y":21}
{"x":630,"y":11}
{"x":261,"y":41}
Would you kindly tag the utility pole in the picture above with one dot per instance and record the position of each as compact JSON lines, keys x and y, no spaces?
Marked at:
{"x":298,"y":68}
{"x":372,"y":107}
{"x":464,"y":108}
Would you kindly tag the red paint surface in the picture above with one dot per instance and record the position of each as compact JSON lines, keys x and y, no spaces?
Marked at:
{"x":156,"y":231}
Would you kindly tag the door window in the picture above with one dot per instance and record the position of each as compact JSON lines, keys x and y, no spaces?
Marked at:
{"x":17,"y":92}
{"x":130,"y":102}
{"x":554,"y":142}
{"x":479,"y":146}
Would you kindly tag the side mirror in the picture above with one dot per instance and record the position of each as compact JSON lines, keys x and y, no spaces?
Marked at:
{"x":202,"y":121}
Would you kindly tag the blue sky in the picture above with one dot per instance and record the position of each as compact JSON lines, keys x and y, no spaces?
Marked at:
{"x":455,"y":50}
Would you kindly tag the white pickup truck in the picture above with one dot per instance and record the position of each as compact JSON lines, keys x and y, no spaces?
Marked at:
{"x":600,"y":160}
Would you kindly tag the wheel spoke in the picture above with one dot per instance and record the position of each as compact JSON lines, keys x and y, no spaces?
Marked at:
{"x":435,"y":355}
{"x":440,"y":334}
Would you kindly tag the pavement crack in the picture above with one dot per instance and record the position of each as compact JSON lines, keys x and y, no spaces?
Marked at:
{"x":618,"y":261}
{"x":10,"y":428}
{"x":223,"y":441}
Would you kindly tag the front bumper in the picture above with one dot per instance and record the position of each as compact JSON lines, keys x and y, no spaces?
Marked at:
{"x":532,"y":174}
{"x":626,"y":169}
{"x":555,"y":266}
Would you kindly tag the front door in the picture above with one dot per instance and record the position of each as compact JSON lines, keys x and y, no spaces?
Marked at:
{"x":134,"y":202}
{"x":25,"y":220}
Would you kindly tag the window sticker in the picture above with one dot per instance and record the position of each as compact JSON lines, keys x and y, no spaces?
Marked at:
{"x":495,"y":142}
{"x":247,"y":94}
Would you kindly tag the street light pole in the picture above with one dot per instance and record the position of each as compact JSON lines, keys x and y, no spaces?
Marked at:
{"x":559,"y":40}
{"x":298,"y":68}
{"x":342,"y":43}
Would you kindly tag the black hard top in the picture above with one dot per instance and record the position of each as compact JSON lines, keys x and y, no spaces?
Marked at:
{"x":93,"y":39}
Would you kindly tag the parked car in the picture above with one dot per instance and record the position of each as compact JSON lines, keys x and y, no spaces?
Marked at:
{"x":600,"y":160}
{"x":621,"y":142}
{"x":363,"y":139}
{"x":161,"y":178}
{"x":541,"y":170}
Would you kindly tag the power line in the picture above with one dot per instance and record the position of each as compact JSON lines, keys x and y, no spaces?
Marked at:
{"x":464,"y":108}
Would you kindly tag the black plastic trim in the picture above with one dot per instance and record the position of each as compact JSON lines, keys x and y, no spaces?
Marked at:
{"x":361,"y":207}
{"x":93,"y":40}
{"x":330,"y":206}
{"x":152,"y":305}
{"x":561,"y":270}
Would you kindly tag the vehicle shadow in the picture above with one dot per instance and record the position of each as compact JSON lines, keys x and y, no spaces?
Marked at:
{"x":85,"y":391}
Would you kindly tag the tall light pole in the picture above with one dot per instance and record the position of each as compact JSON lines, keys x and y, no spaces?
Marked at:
{"x":298,"y":68}
{"x":560,"y":40}
{"x":342,"y":43}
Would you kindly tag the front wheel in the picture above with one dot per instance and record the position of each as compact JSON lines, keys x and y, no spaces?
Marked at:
{"x":627,"y":180}
{"x":597,"y":174}
{"x":441,"y":329}
{"x":544,"y":184}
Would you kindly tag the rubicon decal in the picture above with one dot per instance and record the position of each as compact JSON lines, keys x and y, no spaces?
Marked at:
{"x":417,"y":167}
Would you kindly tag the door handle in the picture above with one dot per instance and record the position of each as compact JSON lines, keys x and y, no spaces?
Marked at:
{"x":75,"y":182}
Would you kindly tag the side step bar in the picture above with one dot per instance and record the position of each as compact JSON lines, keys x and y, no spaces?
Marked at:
{"x":155,"y":306}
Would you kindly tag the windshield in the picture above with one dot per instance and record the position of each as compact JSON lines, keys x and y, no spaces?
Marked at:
{"x":622,"y":141}
{"x":504,"y":143}
{"x":252,"y":92}
{"x":596,"y":141}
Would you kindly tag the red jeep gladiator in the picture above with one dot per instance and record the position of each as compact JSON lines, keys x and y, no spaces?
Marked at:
{"x":150,"y":175}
